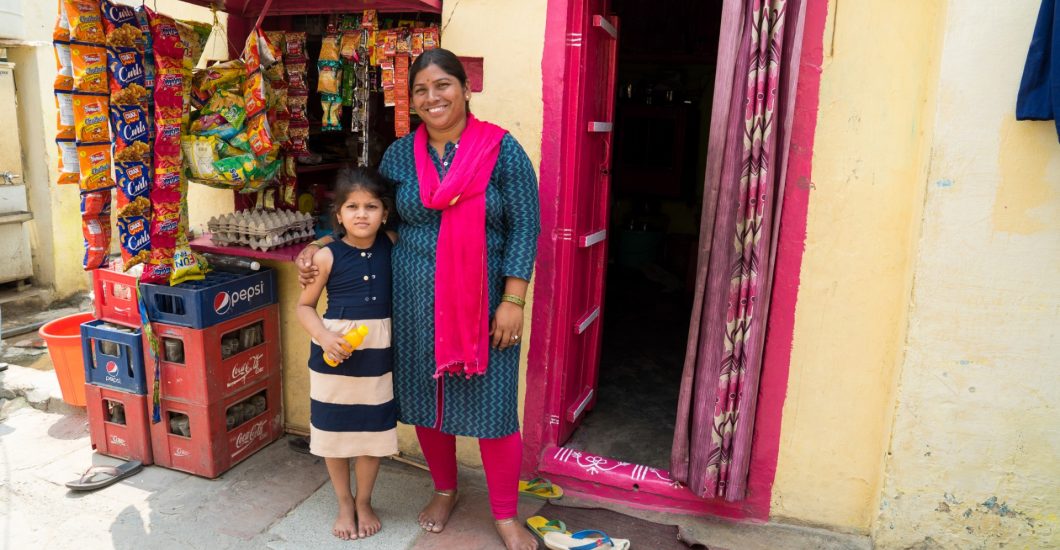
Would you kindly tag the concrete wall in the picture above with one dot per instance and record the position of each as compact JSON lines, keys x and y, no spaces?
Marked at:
{"x":869,"y":166}
{"x":973,"y":459}
{"x":55,"y":232}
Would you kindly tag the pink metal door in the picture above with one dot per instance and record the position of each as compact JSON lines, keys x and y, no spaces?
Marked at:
{"x":592,"y":46}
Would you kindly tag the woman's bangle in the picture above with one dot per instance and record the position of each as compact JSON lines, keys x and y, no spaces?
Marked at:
{"x":513,"y":299}
{"x":316,"y":243}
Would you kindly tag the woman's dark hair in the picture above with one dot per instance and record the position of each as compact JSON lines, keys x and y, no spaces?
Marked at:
{"x":349,"y":180}
{"x":446,"y":61}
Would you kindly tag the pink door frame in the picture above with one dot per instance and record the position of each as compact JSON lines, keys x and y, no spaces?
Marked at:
{"x":543,"y":380}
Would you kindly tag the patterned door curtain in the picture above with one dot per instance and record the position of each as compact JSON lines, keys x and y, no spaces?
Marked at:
{"x":754,"y":95}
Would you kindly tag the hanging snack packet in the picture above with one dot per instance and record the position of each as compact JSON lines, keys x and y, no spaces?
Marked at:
{"x":89,"y":65}
{"x":329,"y":48}
{"x":369,"y":20}
{"x":130,"y":126}
{"x":149,"y":53}
{"x":95,"y":227}
{"x":86,"y":24}
{"x":64,"y":66}
{"x":194,"y":36}
{"x":135,"y":239}
{"x":93,"y":161}
{"x":91,"y":118}
{"x":200,"y":153}
{"x":332,"y":104}
{"x":259,"y":134}
{"x":294,"y":47}
{"x":69,"y":169}
{"x":64,"y":104}
{"x":330,"y":79}
{"x":221,"y":76}
{"x":61,"y":32}
{"x":430,"y":38}
{"x":134,"y":182}
{"x":417,"y":42}
{"x":166,"y":42}
{"x":115,"y":15}
{"x":126,"y":36}
{"x":126,"y":66}
{"x":136,"y":151}
{"x":348,"y":44}
{"x":186,"y":266}
{"x":254,"y":93}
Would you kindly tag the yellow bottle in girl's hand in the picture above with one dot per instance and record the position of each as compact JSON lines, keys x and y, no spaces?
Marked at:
{"x":354,"y":337}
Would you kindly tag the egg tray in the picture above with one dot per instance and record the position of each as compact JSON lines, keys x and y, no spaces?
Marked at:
{"x":261,"y":229}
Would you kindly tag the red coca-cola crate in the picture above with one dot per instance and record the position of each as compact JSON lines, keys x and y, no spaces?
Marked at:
{"x":118,"y":423}
{"x":116,"y":295}
{"x":202,"y":366}
{"x":196,"y":438}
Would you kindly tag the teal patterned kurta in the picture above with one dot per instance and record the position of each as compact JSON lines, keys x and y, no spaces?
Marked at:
{"x":482,"y":406}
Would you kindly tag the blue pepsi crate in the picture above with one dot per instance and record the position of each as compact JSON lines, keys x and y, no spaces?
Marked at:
{"x":221,"y":296}
{"x":114,"y":357}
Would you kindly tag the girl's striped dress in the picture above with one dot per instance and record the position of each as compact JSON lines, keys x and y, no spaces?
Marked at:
{"x":352,"y":407}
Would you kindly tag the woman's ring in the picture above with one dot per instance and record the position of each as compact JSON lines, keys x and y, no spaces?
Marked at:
{"x":515,"y":337}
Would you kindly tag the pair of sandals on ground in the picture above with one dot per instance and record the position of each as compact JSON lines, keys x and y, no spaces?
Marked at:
{"x":554,"y":533}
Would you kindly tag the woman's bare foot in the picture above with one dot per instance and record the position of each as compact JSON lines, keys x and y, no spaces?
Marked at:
{"x":346,"y":523}
{"x":367,"y":522}
{"x":514,"y":536}
{"x":436,"y":513}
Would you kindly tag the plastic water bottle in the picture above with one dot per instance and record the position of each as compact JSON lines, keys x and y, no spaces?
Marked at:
{"x":231,"y":262}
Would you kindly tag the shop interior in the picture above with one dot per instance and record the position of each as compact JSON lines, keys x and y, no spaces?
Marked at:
{"x":664,"y":86}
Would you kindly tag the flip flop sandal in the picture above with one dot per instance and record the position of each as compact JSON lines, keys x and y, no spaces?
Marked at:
{"x":98,"y":477}
{"x":541,"y":488}
{"x":540,"y":525}
{"x":582,"y":541}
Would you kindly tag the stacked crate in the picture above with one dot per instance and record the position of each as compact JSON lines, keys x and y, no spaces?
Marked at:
{"x":219,"y":370}
{"x":116,"y":386}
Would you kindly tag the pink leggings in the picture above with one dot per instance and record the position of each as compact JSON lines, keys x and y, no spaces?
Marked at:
{"x":501,"y":458}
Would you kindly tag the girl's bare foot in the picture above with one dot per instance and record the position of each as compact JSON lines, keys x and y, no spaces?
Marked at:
{"x":345,"y":524}
{"x":514,"y":536}
{"x":436,"y":513}
{"x":368,"y":523}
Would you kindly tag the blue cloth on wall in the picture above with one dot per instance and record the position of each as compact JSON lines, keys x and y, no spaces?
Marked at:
{"x":1039,"y":95}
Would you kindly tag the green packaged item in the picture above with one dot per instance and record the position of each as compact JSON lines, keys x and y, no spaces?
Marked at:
{"x":230,"y":105}
{"x":236,"y":169}
{"x":349,"y":83}
{"x":200,"y":154}
{"x":240,"y":141}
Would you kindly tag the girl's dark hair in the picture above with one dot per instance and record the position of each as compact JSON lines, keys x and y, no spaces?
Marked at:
{"x":349,"y":180}
{"x":446,"y":61}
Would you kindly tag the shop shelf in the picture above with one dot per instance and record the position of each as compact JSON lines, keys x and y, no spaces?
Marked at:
{"x":285,"y":254}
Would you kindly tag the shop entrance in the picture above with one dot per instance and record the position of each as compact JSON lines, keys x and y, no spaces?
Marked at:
{"x":665,"y":76}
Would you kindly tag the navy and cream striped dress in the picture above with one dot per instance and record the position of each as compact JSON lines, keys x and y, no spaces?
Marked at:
{"x":352,"y":407}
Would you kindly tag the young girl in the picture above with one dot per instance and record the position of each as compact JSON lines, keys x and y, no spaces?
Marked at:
{"x":352,"y":407}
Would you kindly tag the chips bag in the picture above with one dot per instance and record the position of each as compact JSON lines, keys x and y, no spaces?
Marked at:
{"x":64,"y":66}
{"x":69,"y":168}
{"x":89,"y":64}
{"x":64,"y":104}
{"x":129,"y":123}
{"x":91,"y":118}
{"x":126,"y":66}
{"x":86,"y":23}
{"x":94,"y":165}
{"x":115,"y":15}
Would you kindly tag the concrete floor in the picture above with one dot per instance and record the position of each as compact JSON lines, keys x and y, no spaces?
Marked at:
{"x":645,"y":331}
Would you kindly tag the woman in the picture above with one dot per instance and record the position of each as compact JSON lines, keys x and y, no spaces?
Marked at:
{"x":468,"y":205}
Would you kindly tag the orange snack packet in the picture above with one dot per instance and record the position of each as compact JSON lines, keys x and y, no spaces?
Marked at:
{"x":90,"y":68}
{"x":86,"y":22}
{"x":91,"y":118}
{"x":94,"y":164}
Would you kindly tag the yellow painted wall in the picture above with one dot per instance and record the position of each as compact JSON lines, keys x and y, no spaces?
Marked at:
{"x":55,"y":232}
{"x":973,"y":459}
{"x":869,"y":166}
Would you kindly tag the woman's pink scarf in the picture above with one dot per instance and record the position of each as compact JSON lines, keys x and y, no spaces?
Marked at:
{"x":461,"y":299}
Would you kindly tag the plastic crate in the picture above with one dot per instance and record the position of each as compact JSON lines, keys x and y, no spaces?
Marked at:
{"x":113,"y":358}
{"x":221,"y":296}
{"x":118,"y":423}
{"x":210,"y":448}
{"x":200,"y":367}
{"x":116,"y":295}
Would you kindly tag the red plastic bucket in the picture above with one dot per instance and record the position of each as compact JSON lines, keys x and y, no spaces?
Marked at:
{"x":63,"y":337}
